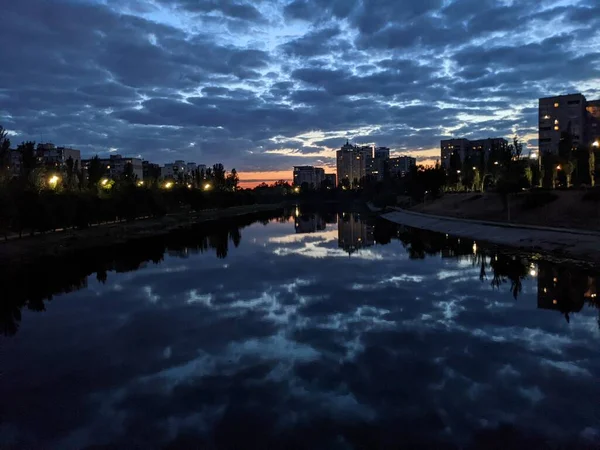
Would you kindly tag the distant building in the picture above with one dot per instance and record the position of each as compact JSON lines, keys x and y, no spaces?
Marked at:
{"x":51,"y":156}
{"x":378,"y":166}
{"x":559,"y":114}
{"x":16,"y":162}
{"x":352,"y":164}
{"x":382,"y":152}
{"x":115,"y":165}
{"x":399,"y":167}
{"x":150,"y":171}
{"x":593,"y":110}
{"x":466,"y":149}
{"x":311,"y":176}
{"x":331,"y":180}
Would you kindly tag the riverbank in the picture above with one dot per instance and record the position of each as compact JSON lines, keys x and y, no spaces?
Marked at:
{"x":553,"y":243}
{"x":573,"y":209}
{"x":17,"y":252}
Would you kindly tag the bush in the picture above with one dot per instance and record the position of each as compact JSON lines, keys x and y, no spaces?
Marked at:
{"x":592,"y":195}
{"x":537,"y":199}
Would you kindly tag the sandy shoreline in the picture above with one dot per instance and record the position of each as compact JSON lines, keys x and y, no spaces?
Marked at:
{"x":577,"y":245}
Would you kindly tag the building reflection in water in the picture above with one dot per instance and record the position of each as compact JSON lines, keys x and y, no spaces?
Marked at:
{"x":354,"y":233}
{"x":565,"y":290}
{"x":309,"y":223}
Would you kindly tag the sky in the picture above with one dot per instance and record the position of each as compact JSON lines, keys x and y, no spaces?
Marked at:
{"x":264,"y":85}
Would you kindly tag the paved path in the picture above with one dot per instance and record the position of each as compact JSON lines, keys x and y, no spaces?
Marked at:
{"x":575,"y":244}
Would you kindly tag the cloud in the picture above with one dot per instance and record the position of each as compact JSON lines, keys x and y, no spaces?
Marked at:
{"x":149,"y":77}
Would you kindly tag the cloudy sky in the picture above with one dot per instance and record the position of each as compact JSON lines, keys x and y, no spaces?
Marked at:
{"x":263,"y":85}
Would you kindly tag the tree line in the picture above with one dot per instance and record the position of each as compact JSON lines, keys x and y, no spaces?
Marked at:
{"x":41,"y":197}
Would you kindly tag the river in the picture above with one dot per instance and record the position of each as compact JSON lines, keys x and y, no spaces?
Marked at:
{"x":302,"y":331}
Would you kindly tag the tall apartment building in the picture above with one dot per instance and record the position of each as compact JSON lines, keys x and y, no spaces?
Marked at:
{"x":331,"y":180}
{"x":399,"y":167}
{"x":51,"y":156}
{"x":378,"y":167}
{"x":559,"y":114}
{"x":593,"y":110}
{"x":312,"y":176}
{"x":467,"y":148}
{"x":352,"y":162}
{"x":568,"y":112}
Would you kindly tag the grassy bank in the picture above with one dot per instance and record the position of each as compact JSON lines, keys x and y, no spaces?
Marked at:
{"x":576,"y":209}
{"x":17,"y":252}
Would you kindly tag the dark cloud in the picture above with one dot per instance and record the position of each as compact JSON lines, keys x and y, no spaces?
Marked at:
{"x":151,"y":78}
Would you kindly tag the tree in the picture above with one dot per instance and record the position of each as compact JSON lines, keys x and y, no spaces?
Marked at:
{"x":29,"y":159}
{"x":95,"y":172}
{"x":218,"y":176}
{"x":70,"y":173}
{"x":565,"y":157}
{"x":4,"y":149}
{"x":128,"y":176}
{"x":232,"y":181}
{"x":584,"y":162}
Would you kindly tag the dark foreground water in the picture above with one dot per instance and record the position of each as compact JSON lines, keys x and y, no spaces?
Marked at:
{"x":302,"y":332}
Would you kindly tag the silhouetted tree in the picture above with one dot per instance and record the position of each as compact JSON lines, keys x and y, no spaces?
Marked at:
{"x":232,"y":181}
{"x":95,"y":172}
{"x":4,"y":149}
{"x":218,"y":176}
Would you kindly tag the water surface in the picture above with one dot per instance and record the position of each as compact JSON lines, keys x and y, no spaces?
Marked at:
{"x":316,"y":331}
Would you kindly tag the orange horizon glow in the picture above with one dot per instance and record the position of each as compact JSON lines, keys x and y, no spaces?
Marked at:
{"x":249,"y":180}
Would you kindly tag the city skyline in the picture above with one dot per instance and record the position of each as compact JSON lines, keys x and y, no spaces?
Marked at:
{"x":265,"y":86}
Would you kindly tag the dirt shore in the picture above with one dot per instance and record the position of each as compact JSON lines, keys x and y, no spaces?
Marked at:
{"x":29,"y":249}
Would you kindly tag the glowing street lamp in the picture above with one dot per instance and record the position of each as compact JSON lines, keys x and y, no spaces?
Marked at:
{"x":558,"y":167}
{"x":189,"y":186}
{"x":297,"y":189}
{"x":53,"y":181}
{"x":495,"y":163}
{"x":596,"y":144}
{"x":168,"y":185}
{"x":207,"y":187}
{"x":140,"y":183}
{"x":458,"y":171}
{"x":103,"y":181}
{"x":474,"y":168}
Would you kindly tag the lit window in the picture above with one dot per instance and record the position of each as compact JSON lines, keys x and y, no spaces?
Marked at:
{"x":556,"y":105}
{"x":556,"y":122}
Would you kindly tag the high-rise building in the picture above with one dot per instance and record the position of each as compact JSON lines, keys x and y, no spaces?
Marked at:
{"x":310,"y":176}
{"x":382,"y":152}
{"x":593,"y":110}
{"x":468,"y":149}
{"x":352,"y":164}
{"x":380,"y":159}
{"x":561,"y":114}
{"x":331,"y":181}
{"x":399,"y":167}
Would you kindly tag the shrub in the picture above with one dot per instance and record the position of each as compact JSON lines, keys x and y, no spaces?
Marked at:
{"x":538,"y":198}
{"x":592,"y":195}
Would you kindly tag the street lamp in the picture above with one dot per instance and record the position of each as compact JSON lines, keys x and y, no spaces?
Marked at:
{"x":558,"y":167}
{"x":495,"y":163}
{"x":104,"y":181}
{"x":140,"y":183}
{"x":296,"y":189}
{"x":168,"y":185}
{"x":596,"y":144}
{"x":207,"y":187}
{"x":474,"y":168}
{"x":53,"y":181}
{"x":458,"y":171}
